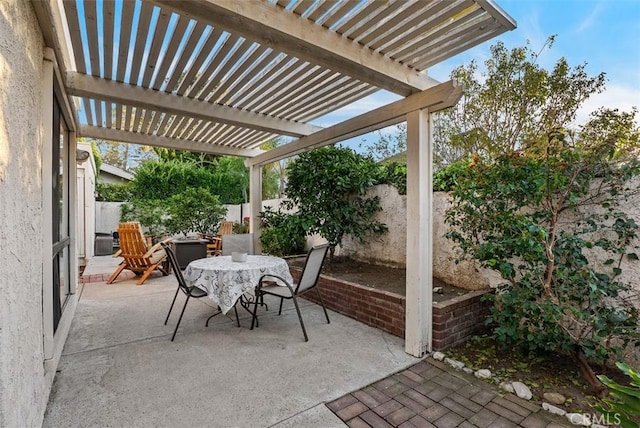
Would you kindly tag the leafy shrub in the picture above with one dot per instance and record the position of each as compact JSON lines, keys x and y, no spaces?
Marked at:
{"x":241,"y":227}
{"x":194,"y":210}
{"x":282,"y":234}
{"x":394,"y":174}
{"x":151,"y":213}
{"x":507,"y":215}
{"x":113,"y":192}
{"x":328,"y":185}
{"x":447,"y":178}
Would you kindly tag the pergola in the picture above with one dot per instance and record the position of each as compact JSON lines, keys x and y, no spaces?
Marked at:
{"x":225,"y":76}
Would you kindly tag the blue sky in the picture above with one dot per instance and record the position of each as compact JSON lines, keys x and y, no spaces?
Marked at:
{"x":604,"y":34}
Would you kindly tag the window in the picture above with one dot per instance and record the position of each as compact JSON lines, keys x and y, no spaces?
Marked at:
{"x":60,"y":214}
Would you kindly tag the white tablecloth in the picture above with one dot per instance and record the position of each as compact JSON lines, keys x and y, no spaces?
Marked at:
{"x":225,"y":281}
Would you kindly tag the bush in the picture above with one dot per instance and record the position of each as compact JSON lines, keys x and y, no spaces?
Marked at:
{"x":448,"y":177}
{"x":194,"y":210}
{"x":394,"y":174}
{"x":328,"y":185}
{"x":107,"y":192}
{"x":282,"y":234}
{"x":510,"y":215}
{"x":151,"y":213}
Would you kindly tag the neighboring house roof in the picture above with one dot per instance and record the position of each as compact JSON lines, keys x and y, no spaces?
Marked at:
{"x":113,"y":170}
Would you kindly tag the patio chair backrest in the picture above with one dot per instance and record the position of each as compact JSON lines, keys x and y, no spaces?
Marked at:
{"x":175,"y":267}
{"x":312,"y":268}
{"x":226,"y":228}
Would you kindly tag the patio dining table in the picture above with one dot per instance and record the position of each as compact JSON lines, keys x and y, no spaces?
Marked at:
{"x":226,"y":281}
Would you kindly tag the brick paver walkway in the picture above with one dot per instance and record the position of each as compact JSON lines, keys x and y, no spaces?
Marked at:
{"x":432,"y":394}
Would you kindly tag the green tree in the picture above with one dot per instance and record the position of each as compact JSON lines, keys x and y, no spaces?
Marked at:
{"x":511,"y":104}
{"x":390,"y":146}
{"x":542,"y":217}
{"x":328,"y":185}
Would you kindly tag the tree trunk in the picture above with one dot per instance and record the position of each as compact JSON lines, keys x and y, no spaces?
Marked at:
{"x":596,"y":387}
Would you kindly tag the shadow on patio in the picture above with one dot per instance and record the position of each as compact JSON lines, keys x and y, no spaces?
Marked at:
{"x":119,"y":367}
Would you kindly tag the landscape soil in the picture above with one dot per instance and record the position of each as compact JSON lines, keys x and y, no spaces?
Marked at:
{"x":380,"y":277}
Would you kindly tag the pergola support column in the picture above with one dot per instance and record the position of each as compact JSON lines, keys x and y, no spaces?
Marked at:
{"x":419,"y":311}
{"x":255,"y":204}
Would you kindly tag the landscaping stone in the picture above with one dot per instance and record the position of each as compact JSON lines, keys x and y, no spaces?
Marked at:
{"x":522,"y":390}
{"x":553,"y":409}
{"x":483,"y":374}
{"x":467,"y":370}
{"x":438,"y":356}
{"x":579,"y":419}
{"x":507,"y":387}
{"x":438,"y":290}
{"x":454,"y":363}
{"x":554,"y":397}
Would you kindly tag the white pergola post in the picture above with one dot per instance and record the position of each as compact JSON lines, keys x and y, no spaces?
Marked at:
{"x":419,"y":233}
{"x":255,"y":204}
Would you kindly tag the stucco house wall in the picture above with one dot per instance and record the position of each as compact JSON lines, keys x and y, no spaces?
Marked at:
{"x":29,"y":348}
{"x":24,"y":387}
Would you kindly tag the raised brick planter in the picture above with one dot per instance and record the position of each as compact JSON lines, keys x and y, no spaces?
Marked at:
{"x":454,"y":320}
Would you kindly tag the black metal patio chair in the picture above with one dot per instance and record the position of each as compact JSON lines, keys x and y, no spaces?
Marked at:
{"x":308,"y":280}
{"x":189,"y":291}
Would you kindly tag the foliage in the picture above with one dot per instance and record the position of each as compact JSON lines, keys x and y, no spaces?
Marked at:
{"x":389,"y":145}
{"x":283,"y":234}
{"x":446,"y":179}
{"x":394,"y":174}
{"x":230,"y":175}
{"x":540,"y":219}
{"x":97,"y":157}
{"x":510,"y":105}
{"x":328,"y":185}
{"x":627,"y":398}
{"x":162,"y":179}
{"x":151,"y":213}
{"x":241,"y":227}
{"x":123,"y":155}
{"x":113,"y":192}
{"x":194,"y":210}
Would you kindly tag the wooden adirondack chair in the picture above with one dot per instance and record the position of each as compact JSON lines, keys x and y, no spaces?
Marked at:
{"x":139,"y":257}
{"x":214,"y":247}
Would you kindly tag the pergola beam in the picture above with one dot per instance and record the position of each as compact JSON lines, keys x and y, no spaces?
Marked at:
{"x":82,"y":85}
{"x":157,"y":141}
{"x":437,"y":98}
{"x":274,"y":26}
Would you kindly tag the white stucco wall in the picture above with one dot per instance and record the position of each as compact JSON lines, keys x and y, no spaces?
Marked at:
{"x":24,"y":385}
{"x":390,"y":249}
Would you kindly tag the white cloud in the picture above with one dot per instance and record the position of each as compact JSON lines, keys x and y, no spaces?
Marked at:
{"x":588,"y":22}
{"x":615,"y":96}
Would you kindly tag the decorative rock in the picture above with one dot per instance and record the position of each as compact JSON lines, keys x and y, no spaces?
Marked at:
{"x":454,"y":363}
{"x":467,"y":370}
{"x":507,"y":387}
{"x":522,"y":390}
{"x":438,"y":290}
{"x":438,"y":356}
{"x":483,"y":374}
{"x":554,"y":397}
{"x":553,"y":409}
{"x":579,"y":419}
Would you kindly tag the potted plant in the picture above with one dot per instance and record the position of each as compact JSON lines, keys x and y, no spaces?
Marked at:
{"x":197,"y":211}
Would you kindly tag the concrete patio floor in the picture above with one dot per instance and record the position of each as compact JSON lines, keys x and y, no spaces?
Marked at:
{"x":119,"y":367}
